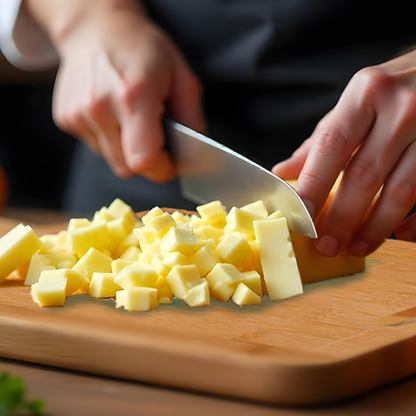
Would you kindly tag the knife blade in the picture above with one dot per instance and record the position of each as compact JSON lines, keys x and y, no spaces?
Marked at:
{"x":210,"y":171}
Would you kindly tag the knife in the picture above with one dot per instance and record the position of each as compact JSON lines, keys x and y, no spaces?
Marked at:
{"x":210,"y":171}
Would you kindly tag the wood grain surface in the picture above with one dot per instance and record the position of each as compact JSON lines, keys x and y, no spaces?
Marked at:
{"x":322,"y":346}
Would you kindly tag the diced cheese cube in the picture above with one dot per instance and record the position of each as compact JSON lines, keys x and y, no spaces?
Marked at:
{"x":37,"y":264}
{"x":243,"y":295}
{"x":102,"y":215}
{"x":152,"y":214}
{"x":74,"y":280}
{"x":198,"y":295}
{"x":91,"y":262}
{"x":55,"y":259}
{"x":120,"y":298}
{"x":257,"y":208}
{"x":196,"y":221}
{"x":102,"y":285}
{"x":130,"y":240}
{"x":159,"y":267}
{"x":118,"y":265}
{"x":17,"y":247}
{"x":144,"y":236}
{"x":275,"y":215}
{"x":222,"y":292}
{"x":154,"y":248}
{"x":163,"y":289}
{"x":160,"y":225}
{"x":242,"y":221}
{"x":118,"y":230}
{"x":207,"y":232}
{"x":234,"y":249}
{"x":170,"y":260}
{"x":180,"y":238}
{"x":75,"y":223}
{"x":278,"y":260}
{"x":226,"y":273}
{"x":140,"y":299}
{"x":136,"y":276}
{"x":105,"y":251}
{"x":205,"y":259}
{"x":183,"y":278}
{"x":131,"y":254}
{"x":179,"y":217}
{"x":253,"y":281}
{"x":81,"y":239}
{"x":49,"y":293}
{"x":119,"y":209}
{"x":213,"y":213}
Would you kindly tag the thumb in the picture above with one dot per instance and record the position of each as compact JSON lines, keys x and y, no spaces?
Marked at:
{"x":291,"y":168}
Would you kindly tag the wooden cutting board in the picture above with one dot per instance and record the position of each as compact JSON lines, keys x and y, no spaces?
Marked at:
{"x":326,"y":345}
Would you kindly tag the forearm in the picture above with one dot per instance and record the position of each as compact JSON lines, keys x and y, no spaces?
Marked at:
{"x":60,"y":18}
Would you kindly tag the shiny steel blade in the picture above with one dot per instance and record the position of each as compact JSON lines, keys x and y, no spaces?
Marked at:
{"x":209,"y":171}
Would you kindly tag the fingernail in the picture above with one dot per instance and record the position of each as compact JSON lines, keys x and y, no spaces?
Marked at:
{"x":328,"y":245}
{"x":310,"y":206}
{"x":407,"y":236}
{"x":359,"y":247}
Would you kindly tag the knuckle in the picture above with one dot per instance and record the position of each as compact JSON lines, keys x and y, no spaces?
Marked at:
{"x":315,"y":182}
{"x":132,"y":91}
{"x":402,"y":192}
{"x":363,"y":174}
{"x":332,"y":139}
{"x":372,"y":79}
{"x":94,"y":108}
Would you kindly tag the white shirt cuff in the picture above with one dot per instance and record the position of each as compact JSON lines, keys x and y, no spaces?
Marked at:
{"x":22,"y":40}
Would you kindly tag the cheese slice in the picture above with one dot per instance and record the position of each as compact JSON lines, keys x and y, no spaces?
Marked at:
{"x":280,"y":269}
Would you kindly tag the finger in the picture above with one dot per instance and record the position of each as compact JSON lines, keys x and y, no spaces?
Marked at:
{"x":102,"y":121}
{"x":186,"y":99}
{"x":291,"y":168}
{"x":396,"y":200}
{"x":406,"y":231}
{"x":142,"y":137}
{"x":334,"y":141}
{"x":392,"y":133}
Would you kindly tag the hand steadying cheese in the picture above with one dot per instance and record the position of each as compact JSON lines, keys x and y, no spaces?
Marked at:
{"x":371,"y":131}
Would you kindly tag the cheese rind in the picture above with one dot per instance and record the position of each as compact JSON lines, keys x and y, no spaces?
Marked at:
{"x":280,"y":269}
{"x":16,"y":247}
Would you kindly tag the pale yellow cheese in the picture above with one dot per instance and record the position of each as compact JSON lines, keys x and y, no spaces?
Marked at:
{"x":278,"y":260}
{"x":159,"y":267}
{"x":118,"y":265}
{"x":163,"y":290}
{"x":243,"y":295}
{"x":37,"y":264}
{"x":213,"y":213}
{"x":222,"y":292}
{"x":120,"y":298}
{"x":118,"y":230}
{"x":49,"y":293}
{"x":102,"y":285}
{"x":207,"y":232}
{"x":81,"y":239}
{"x":160,"y":225}
{"x":17,"y":247}
{"x":226,"y":273}
{"x":102,"y":215}
{"x":183,"y":278}
{"x":180,"y":238}
{"x":140,"y":299}
{"x":253,"y":281}
{"x":131,"y":254}
{"x":198,"y":295}
{"x":130,"y":240}
{"x":257,"y":208}
{"x":93,"y":261}
{"x":242,"y":221}
{"x":74,"y":280}
{"x":119,"y":209}
{"x":144,"y":236}
{"x":136,"y":276}
{"x":170,"y":260}
{"x":152,"y":214}
{"x":275,"y":215}
{"x":180,"y":217}
{"x":234,"y":249}
{"x":205,"y":259}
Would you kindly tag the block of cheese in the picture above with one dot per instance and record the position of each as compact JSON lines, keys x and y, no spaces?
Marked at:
{"x":213,"y":213}
{"x":118,"y":229}
{"x":140,"y":299}
{"x":74,"y":280}
{"x":253,"y":281}
{"x":242,"y":221}
{"x":205,"y":259}
{"x":183,"y":278}
{"x":180,"y":238}
{"x":152,"y":214}
{"x":313,"y":265}
{"x":118,"y":265}
{"x":163,"y":290}
{"x":198,"y":295}
{"x":234,"y":249}
{"x":49,"y":293}
{"x":243,"y":295}
{"x":17,"y":247}
{"x":102,"y":286}
{"x":257,"y":208}
{"x":280,"y":269}
{"x":222,"y":292}
{"x":119,"y":209}
{"x":37,"y":264}
{"x":226,"y":273}
{"x":160,"y":225}
{"x":93,"y":261}
{"x":136,"y":276}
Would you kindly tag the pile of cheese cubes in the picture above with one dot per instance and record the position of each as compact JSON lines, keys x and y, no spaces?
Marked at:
{"x":241,"y":255}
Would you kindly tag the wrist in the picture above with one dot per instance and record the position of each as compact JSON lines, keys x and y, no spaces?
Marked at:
{"x":62,"y":19}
